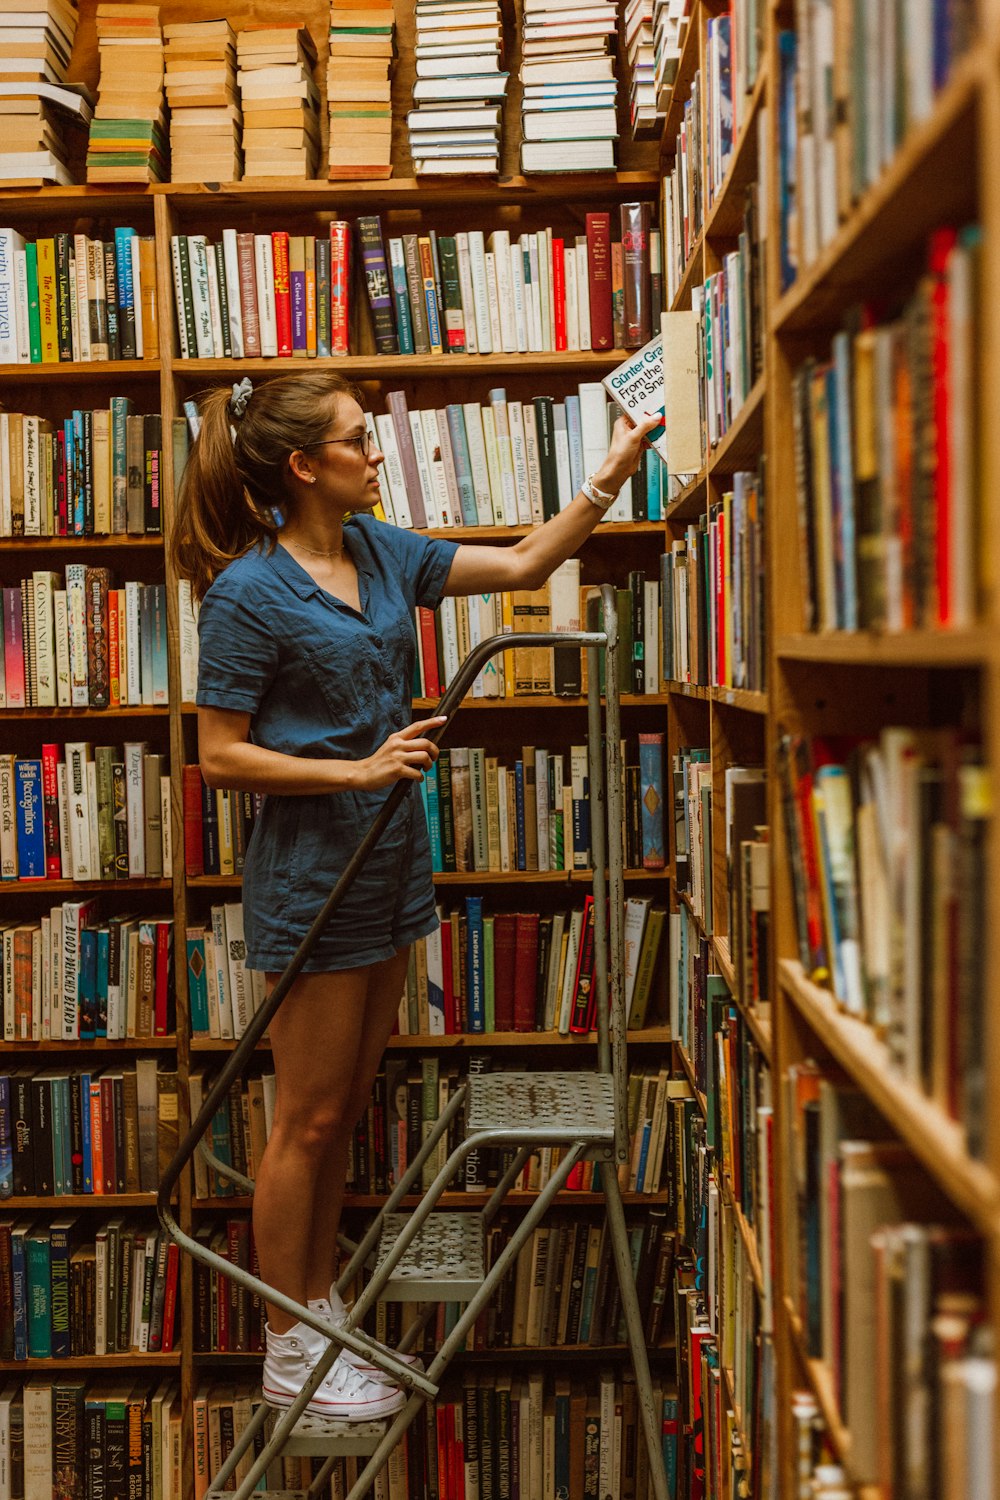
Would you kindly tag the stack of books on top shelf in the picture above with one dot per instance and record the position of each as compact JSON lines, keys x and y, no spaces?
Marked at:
{"x":205,"y":117}
{"x":39,"y":108}
{"x":458,"y":87}
{"x":128,"y":134}
{"x":569,"y":91}
{"x":669,"y":28}
{"x":280,"y":101}
{"x":358,"y":90}
{"x":643,"y":108}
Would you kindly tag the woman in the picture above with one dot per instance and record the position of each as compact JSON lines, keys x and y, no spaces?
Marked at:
{"x":305,"y":667}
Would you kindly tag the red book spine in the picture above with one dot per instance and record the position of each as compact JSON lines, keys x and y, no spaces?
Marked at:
{"x":941,"y":247}
{"x":96,"y":1139}
{"x":340,"y":268}
{"x":447,"y":982}
{"x":599,"y":278}
{"x":282,"y":292}
{"x":580,"y":1020}
{"x":504,"y":970}
{"x":559,"y":292}
{"x":441,"y":1429}
{"x":248,"y":295}
{"x":161,"y":992}
{"x":220,"y":1291}
{"x":61,"y":526}
{"x":50,"y":808}
{"x":194,"y":858}
{"x":428,"y":642}
{"x":525,"y":970}
{"x":170,"y":1297}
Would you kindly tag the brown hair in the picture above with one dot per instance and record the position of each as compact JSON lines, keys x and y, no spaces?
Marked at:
{"x":231,"y":484}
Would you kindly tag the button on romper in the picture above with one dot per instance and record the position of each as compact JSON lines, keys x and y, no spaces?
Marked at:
{"x":321,"y":680}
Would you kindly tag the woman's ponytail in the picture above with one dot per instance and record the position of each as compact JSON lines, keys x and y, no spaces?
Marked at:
{"x":237,"y":470}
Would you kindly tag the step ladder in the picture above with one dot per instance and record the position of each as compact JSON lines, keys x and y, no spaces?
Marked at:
{"x":430,"y":1256}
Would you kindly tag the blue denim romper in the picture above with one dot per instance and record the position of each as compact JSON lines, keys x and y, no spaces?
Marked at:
{"x":321,"y":680}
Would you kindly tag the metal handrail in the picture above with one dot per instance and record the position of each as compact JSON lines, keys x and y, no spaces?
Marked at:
{"x":360,"y":1343}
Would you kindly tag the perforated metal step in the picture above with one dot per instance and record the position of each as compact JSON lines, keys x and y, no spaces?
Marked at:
{"x":313,"y":1437}
{"x":578,"y":1106}
{"x":445,"y":1263}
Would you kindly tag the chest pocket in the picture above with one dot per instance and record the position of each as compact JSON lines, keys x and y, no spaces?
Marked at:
{"x":343,"y":665}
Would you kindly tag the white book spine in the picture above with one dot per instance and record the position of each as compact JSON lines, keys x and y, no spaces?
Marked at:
{"x":62,"y":782}
{"x":533,"y":462}
{"x":564,"y":472}
{"x":175,"y":261}
{"x":467,"y":294}
{"x":78,"y":811}
{"x":503,"y":820}
{"x":542,"y":807}
{"x":427,"y":484}
{"x":517,"y":282}
{"x":10,"y":243}
{"x":80,"y":288}
{"x":76,"y":602}
{"x":522,"y":486}
{"x":214,"y":304}
{"x":651,"y":636}
{"x":500,"y":247}
{"x":231,"y":265}
{"x":472,"y":413}
{"x":236,"y":950}
{"x":135,"y":808}
{"x":133,"y":250}
{"x":187,"y":623}
{"x":537,"y":341}
{"x":572,"y":303}
{"x":166,"y":830}
{"x":264,"y":267}
{"x":6,"y":520}
{"x":45,"y":650}
{"x":21,"y":307}
{"x":480,"y":291}
{"x":498,"y":407}
{"x":69,"y":1013}
{"x":95,"y":857}
{"x":200,"y":303}
{"x":435,"y":460}
{"x":133,"y":654}
{"x":449,"y":640}
{"x":493,"y":294}
{"x":222,"y":973}
{"x":393,"y":469}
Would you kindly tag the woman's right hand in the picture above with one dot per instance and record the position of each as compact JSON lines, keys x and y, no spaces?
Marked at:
{"x":404,"y":756}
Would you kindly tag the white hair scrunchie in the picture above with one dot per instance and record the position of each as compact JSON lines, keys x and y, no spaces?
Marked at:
{"x":242,"y":391}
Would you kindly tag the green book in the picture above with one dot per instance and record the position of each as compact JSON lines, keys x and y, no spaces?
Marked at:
{"x":34,"y":314}
{"x":39,"y":1294}
{"x":454,"y":317}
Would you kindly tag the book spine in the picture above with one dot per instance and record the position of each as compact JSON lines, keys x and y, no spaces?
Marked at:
{"x":377,"y":282}
{"x":282,"y":293}
{"x":340,"y":281}
{"x":599,"y":280}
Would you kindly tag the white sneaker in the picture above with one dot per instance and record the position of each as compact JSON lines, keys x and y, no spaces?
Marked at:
{"x":346,"y":1393}
{"x":335,"y":1312}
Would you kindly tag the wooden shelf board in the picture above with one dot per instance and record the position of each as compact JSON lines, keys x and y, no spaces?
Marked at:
{"x":820,"y":1381}
{"x":464,"y":877}
{"x":25,"y":887}
{"x":725,"y":215}
{"x":77,"y":370}
{"x":689,"y":690}
{"x":72,"y":543}
{"x":692,"y":273}
{"x":690,"y":503}
{"x":456,"y":1200}
{"x":396,"y":367}
{"x":16,"y":714}
{"x":922,"y":1124}
{"x":915,"y":192}
{"x":688,"y":1067}
{"x":93,"y":1362}
{"x":628,"y":700}
{"x":759,"y":1026}
{"x":749,"y":1237}
{"x":475,"y":1041}
{"x":59,"y":1201}
{"x":740,"y":447}
{"x":99,"y":1044}
{"x":910,"y":648}
{"x":745,"y":698}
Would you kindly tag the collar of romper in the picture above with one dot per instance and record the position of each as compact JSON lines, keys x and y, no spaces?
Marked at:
{"x":295,"y":575}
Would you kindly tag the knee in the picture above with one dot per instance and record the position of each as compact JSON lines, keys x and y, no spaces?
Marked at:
{"x":313,"y":1131}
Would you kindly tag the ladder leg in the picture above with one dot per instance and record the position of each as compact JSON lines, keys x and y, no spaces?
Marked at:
{"x":651,"y":1419}
{"x":241,"y":1444}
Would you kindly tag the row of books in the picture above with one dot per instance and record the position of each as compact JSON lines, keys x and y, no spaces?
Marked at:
{"x":223,"y":994}
{"x":545,"y":1432}
{"x":458,"y":87}
{"x":683,"y":193}
{"x":68,"y":297}
{"x":701,"y":827}
{"x":714,"y":621}
{"x":201,"y":94}
{"x":76,"y":1131}
{"x":95,"y":814}
{"x":71,"y":1289}
{"x":217,"y":826}
{"x":904,"y":954}
{"x":506,"y":463}
{"x":523,"y":971}
{"x":483,"y":815}
{"x":358,"y":90}
{"x":730,"y":306}
{"x":77,"y":1435}
{"x":88,"y":644}
{"x":72,"y":976}
{"x":93,"y":473}
{"x":849,"y":95}
{"x":128,"y":134}
{"x":568,"y":88}
{"x":886,"y":438}
{"x":888,"y":1294}
{"x":36,"y":44}
{"x":407,"y":1099}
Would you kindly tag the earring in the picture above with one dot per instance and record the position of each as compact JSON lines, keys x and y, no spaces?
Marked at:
{"x":312,"y":478}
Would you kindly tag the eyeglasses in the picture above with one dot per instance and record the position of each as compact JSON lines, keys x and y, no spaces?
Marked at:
{"x":361,"y":440}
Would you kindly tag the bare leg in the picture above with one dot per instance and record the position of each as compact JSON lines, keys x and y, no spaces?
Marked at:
{"x":385,"y":986}
{"x":316,"y":1039}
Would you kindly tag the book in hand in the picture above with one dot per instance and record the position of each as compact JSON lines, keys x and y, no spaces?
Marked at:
{"x":637,"y":386}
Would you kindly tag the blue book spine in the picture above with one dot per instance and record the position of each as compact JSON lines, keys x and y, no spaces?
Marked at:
{"x":68,"y":454}
{"x":654,"y":486}
{"x":222,"y":1187}
{"x":669,"y":1427}
{"x":39,"y":1296}
{"x":197,"y":983}
{"x":401,"y":300}
{"x":476,"y":986}
{"x":83,"y":1084}
{"x":101,"y":1014}
{"x":6,"y":1140}
{"x":574,"y":433}
{"x":640,"y":1174}
{"x":587,"y":1303}
{"x":463,"y":464}
{"x":30,"y":824}
{"x":86,"y":985}
{"x":323,"y":297}
{"x":79,"y":484}
{"x":651,"y":799}
{"x":432,"y":792}
{"x":123,"y":265}
{"x":522,"y":855}
{"x":19,"y":1284}
{"x":59,"y":1248}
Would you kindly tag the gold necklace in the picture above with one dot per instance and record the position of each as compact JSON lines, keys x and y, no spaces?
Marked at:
{"x":338,"y":552}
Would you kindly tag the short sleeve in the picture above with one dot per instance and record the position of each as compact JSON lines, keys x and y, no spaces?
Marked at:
{"x":424,"y":561}
{"x":237,"y":654}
